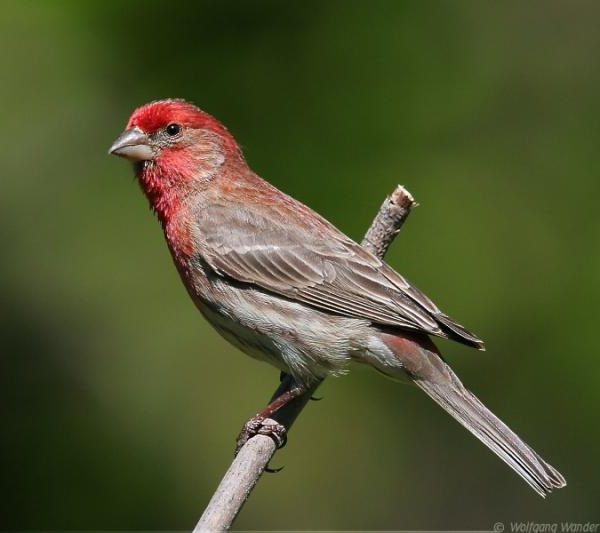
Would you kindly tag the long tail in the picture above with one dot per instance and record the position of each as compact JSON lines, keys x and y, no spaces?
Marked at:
{"x":423,"y":364}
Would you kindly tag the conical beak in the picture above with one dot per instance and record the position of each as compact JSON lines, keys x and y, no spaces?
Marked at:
{"x":133,"y":144}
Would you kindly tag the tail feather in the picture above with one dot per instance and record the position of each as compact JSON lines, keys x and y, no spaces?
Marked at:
{"x":464,"y":406}
{"x":416,"y":356}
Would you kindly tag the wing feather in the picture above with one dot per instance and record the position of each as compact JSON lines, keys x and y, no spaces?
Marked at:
{"x":319,"y":266}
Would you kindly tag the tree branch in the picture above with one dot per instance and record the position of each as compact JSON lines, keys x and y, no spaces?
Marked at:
{"x":254,"y":456}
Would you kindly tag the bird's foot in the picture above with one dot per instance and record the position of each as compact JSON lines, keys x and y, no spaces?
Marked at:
{"x":261,"y":425}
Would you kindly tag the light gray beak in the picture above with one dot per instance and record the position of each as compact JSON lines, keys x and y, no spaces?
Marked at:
{"x":133,"y":144}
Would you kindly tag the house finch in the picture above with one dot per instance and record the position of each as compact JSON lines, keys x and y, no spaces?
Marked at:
{"x":285,"y":286}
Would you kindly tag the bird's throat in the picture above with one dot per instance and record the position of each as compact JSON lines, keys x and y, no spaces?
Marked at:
{"x":162,"y":190}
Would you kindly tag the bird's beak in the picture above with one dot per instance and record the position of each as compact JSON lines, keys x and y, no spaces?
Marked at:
{"x":133,"y":144}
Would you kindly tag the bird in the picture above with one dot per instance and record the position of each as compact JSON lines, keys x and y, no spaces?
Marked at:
{"x":285,"y":286}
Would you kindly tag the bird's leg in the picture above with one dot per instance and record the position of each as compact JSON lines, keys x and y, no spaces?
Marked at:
{"x":262,"y":424}
{"x":284,"y":376}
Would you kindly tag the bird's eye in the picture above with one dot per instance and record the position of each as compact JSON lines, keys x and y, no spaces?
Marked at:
{"x":173,"y":129}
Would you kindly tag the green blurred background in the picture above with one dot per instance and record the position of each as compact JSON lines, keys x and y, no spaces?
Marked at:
{"x":120,"y":405}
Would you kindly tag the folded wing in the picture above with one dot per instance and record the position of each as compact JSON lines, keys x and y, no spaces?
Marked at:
{"x":318,"y":265}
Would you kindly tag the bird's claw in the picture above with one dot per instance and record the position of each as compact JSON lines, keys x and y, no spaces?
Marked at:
{"x":259,"y":425}
{"x":270,"y":470}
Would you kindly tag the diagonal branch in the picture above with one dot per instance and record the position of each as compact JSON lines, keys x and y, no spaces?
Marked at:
{"x":254,"y":456}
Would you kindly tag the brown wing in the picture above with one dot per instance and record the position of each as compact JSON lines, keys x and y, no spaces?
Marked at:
{"x":316,"y":264}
